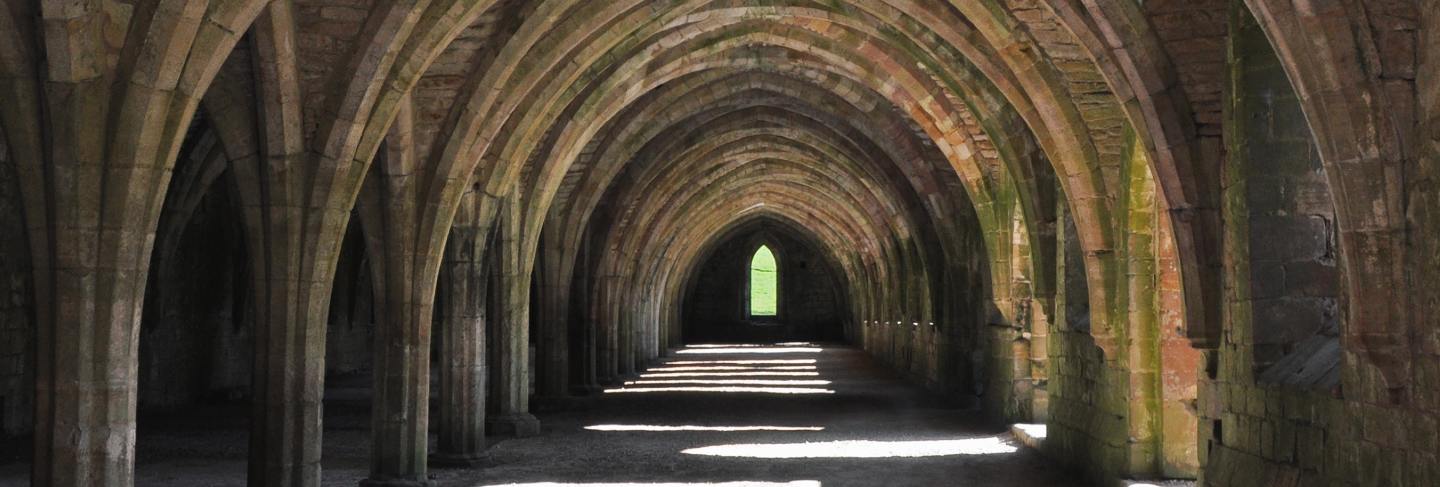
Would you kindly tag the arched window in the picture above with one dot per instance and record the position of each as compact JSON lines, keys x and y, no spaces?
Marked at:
{"x":764,"y":277}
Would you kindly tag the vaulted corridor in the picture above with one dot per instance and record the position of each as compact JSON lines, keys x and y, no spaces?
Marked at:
{"x":389,"y":243}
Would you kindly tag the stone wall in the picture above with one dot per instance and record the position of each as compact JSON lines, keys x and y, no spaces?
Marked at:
{"x":1284,"y":280}
{"x":1087,"y":412}
{"x":16,"y":329}
{"x":1331,"y":419}
{"x":1006,"y":389}
{"x":947,"y":356}
{"x":1127,"y":411}
{"x":1005,"y":361}
{"x":809,"y":296}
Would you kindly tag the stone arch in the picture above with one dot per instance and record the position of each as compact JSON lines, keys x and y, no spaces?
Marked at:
{"x":1144,"y":79}
{"x":1330,"y":56}
{"x":1285,"y":314}
{"x":141,"y":74}
{"x":301,"y":154}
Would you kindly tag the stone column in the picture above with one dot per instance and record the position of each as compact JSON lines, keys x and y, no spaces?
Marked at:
{"x":293,"y":245}
{"x":292,"y":251}
{"x":92,"y":143}
{"x":553,"y":341}
{"x":512,"y":333}
{"x":589,"y":380}
{"x":1142,"y":319}
{"x":297,"y":192}
{"x":554,"y":345}
{"x":405,"y":243}
{"x":623,"y":301}
{"x":463,"y":374}
{"x":626,"y":343}
{"x":607,"y":354}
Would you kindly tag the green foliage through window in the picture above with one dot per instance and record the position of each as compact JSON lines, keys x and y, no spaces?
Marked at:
{"x":763,"y":283}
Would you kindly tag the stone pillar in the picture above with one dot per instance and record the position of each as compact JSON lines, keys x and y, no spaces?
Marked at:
{"x":1039,"y":360}
{"x":607,"y":350}
{"x":650,"y":331}
{"x":626,"y":330}
{"x":401,"y":402}
{"x":400,"y":406}
{"x":85,"y":381}
{"x":293,"y":251}
{"x":1142,"y":318}
{"x":553,"y":342}
{"x":589,"y":380}
{"x":463,"y":374}
{"x":554,"y":347}
{"x":626,"y":306}
{"x":293,"y":247}
{"x":512,"y":333}
{"x":288,"y":381}
{"x":93,"y":156}
{"x":405,"y":244}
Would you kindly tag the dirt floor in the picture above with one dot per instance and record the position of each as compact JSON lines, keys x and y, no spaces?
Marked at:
{"x":796,"y":416}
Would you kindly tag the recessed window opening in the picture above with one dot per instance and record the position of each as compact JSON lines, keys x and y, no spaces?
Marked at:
{"x":764,"y":280}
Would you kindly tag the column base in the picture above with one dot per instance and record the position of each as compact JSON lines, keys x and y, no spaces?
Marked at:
{"x":396,"y":483}
{"x":459,"y":460}
{"x":519,"y":425}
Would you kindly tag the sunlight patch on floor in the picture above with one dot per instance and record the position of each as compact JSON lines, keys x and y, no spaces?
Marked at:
{"x":742,"y":350}
{"x":731,"y":382}
{"x":860,"y":449}
{"x":649,"y":375}
{"x":757,"y":390}
{"x":752,"y":345}
{"x":741,"y":362}
{"x":728,"y":345}
{"x":798,"y":483}
{"x":704,"y":368}
{"x":651,"y":427}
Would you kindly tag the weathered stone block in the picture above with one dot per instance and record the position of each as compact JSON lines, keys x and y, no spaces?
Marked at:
{"x":1297,"y":238}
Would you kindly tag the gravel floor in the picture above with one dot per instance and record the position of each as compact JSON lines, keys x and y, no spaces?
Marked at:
{"x":845,"y":422}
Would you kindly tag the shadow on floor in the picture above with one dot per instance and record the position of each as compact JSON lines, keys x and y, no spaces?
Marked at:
{"x":792,"y":415}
